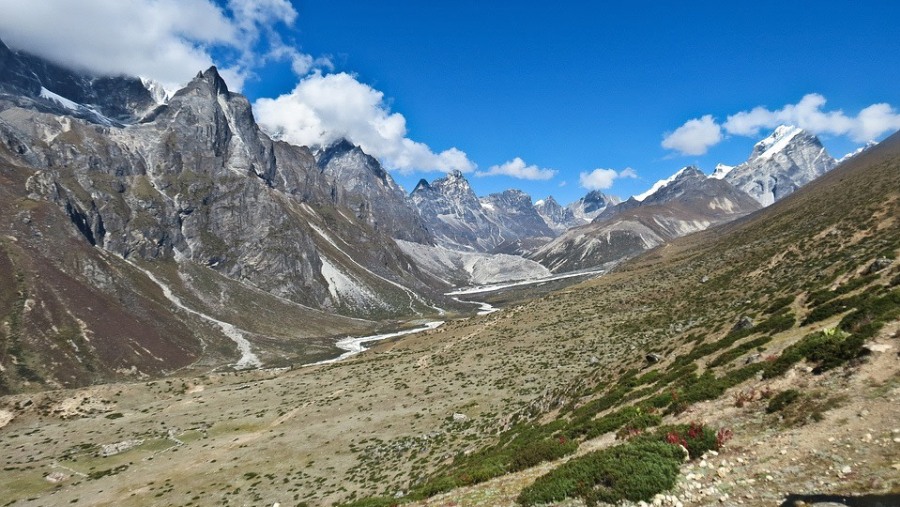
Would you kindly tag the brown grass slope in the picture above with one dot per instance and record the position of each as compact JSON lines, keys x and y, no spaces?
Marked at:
{"x":383,"y":423}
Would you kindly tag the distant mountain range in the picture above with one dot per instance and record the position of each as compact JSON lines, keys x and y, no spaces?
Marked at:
{"x":690,"y":201}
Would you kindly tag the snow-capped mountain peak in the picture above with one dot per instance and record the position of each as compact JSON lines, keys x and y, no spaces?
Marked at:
{"x":721,"y":171}
{"x":780,"y":164}
{"x":777,"y":141}
{"x":857,"y":151}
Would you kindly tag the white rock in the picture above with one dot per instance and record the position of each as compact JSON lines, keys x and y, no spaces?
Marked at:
{"x":846,"y":470}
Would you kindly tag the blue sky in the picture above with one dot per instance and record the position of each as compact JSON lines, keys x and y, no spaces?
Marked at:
{"x":564,"y":86}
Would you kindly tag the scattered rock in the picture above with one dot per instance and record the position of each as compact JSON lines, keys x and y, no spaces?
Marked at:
{"x":56,"y":477}
{"x":878,"y":265}
{"x":107,"y":450}
{"x":653,"y":358}
{"x":6,"y":417}
{"x":744,"y":322}
{"x":457,"y":417}
{"x":704,"y":279}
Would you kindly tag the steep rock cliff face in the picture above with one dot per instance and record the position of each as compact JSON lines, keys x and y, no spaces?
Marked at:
{"x":235,"y":238}
{"x":362,"y":185}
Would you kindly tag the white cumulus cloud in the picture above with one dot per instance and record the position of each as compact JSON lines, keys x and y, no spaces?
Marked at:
{"x":167,"y":40}
{"x":695,"y":137}
{"x":517,"y":168}
{"x":323,"y":108}
{"x":602,"y":179}
{"x":809,"y":115}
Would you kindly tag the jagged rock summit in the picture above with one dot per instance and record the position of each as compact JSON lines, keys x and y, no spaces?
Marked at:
{"x":557,"y":217}
{"x":780,"y":164}
{"x":595,"y":202}
{"x":363,"y":186}
{"x":460,"y":220}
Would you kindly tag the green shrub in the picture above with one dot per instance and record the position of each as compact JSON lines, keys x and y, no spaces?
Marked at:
{"x":777,"y":323}
{"x":781,"y":400}
{"x":732,"y":354}
{"x":696,"y":438}
{"x":779,"y":303}
{"x":828,"y":348}
{"x":633,"y":471}
{"x":872,"y":314}
{"x":541,"y":451}
{"x":824,"y":311}
{"x":375,"y":501}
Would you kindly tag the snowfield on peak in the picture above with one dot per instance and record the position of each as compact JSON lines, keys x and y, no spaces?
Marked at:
{"x":658,"y":185}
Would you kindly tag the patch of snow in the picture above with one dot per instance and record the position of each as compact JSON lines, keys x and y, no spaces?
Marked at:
{"x":721,"y":171}
{"x":158,"y":92}
{"x":59,"y":99}
{"x":857,"y":151}
{"x":342,"y":287}
{"x":778,"y":141}
{"x":723,"y":204}
{"x":658,"y":185}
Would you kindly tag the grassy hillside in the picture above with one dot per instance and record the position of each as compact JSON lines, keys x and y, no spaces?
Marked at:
{"x":773,"y":340}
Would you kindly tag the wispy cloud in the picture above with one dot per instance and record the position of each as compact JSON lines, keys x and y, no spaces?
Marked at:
{"x":517,"y":168}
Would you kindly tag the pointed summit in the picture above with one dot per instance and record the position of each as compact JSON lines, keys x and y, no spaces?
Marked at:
{"x":787,"y":159}
{"x":212,"y":76}
{"x":721,"y":171}
{"x":422,"y":186}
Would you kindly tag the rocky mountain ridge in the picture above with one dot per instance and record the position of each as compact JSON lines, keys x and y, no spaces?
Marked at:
{"x":690,"y":201}
{"x":460,"y":220}
{"x":780,"y":164}
{"x":193,"y":200}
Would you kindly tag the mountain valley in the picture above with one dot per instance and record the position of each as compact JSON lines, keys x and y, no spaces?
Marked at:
{"x":196,"y":312}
